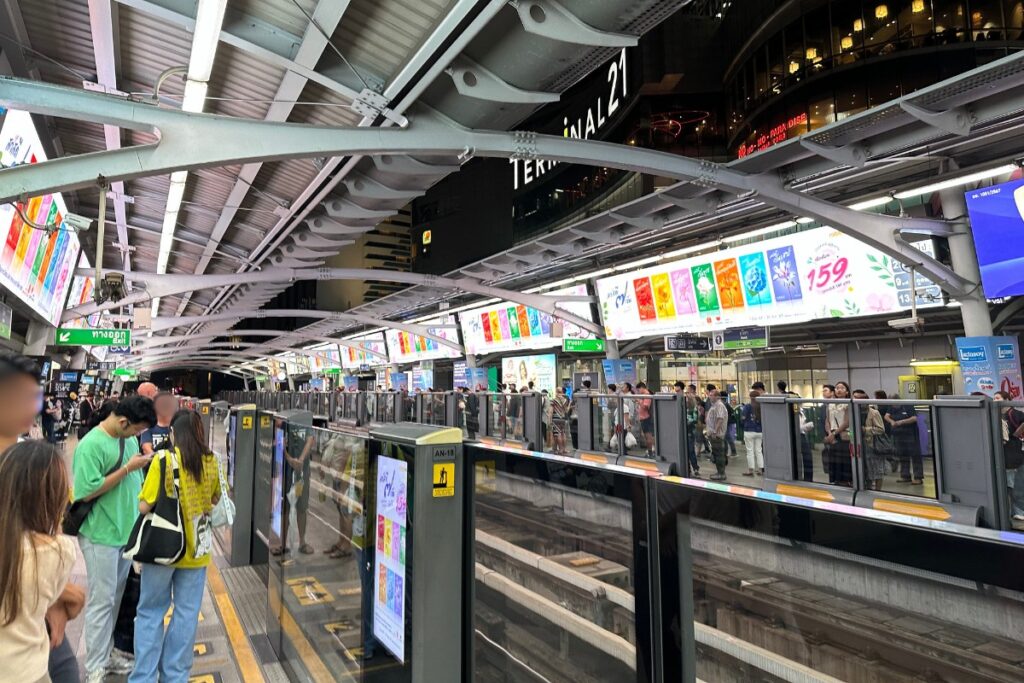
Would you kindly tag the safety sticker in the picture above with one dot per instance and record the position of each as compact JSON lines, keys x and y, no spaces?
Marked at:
{"x":444,"y":479}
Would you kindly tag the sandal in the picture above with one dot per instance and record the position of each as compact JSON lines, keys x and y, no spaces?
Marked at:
{"x":306,"y":549}
{"x":278,"y":551}
{"x":341,"y":553}
{"x":334,"y":548}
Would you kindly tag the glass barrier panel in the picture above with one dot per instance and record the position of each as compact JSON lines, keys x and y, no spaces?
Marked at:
{"x":826,"y":440}
{"x":561,"y":411}
{"x":496,"y":415}
{"x":408,"y":407}
{"x":784,"y":593}
{"x":1009,"y":418}
{"x":558,"y":569}
{"x":639,"y":429}
{"x":327,"y":586}
{"x":605,"y":425}
{"x":897,"y":448}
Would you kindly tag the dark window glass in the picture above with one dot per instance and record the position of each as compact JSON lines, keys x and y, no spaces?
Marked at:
{"x":986,"y":20}
{"x":817,"y":37}
{"x":847,"y":31}
{"x":950,"y":21}
{"x":1013,"y":16}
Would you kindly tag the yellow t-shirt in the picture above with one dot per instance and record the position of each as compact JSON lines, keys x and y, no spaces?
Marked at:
{"x":24,"y":643}
{"x":196,"y":498}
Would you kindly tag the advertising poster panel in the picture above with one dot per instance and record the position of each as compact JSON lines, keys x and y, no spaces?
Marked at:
{"x":521,"y":370}
{"x":819,"y":273}
{"x":389,"y":555}
{"x":990,"y":364}
{"x":404,"y":347}
{"x":512,"y":327}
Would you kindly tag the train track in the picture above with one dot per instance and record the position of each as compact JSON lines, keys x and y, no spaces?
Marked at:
{"x":855,"y":640}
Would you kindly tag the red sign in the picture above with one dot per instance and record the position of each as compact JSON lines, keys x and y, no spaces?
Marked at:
{"x":779,"y":133}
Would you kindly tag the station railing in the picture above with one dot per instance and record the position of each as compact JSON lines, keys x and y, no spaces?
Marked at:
{"x":580,"y":571}
{"x":941,"y":459}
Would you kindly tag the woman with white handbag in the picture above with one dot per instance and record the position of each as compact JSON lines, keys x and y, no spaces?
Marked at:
{"x":190,"y":473}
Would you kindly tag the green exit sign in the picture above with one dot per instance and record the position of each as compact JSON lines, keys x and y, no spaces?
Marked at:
{"x":583,"y":345}
{"x":125,"y":372}
{"x":93,"y":337}
{"x":332,"y":371}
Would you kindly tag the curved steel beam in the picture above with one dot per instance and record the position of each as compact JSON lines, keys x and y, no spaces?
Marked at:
{"x":167,"y":323}
{"x":187,"y":141}
{"x":151,"y":342}
{"x":250,"y":347}
{"x":169,"y":284}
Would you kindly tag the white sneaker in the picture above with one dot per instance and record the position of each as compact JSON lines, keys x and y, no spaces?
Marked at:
{"x":96,"y":677}
{"x":120,"y":662}
{"x":1018,"y":518}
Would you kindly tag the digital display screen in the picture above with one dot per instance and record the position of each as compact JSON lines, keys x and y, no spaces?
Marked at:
{"x":814,"y":274}
{"x":404,"y":347}
{"x":508,"y":326}
{"x":232,"y":426}
{"x":997,"y":223}
{"x":519,"y":371}
{"x":277,"y":482}
{"x":422,"y":379}
{"x":390,"y":555}
{"x":35,"y":266}
{"x":353,"y":359}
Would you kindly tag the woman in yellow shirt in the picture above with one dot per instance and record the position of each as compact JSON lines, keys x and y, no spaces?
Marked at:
{"x":167,"y":656}
{"x":35,"y":560}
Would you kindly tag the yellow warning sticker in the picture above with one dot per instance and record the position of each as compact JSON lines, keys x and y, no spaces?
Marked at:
{"x":201,"y":649}
{"x":264,"y":421}
{"x":486,"y":477}
{"x":444,"y":479}
{"x":206,"y":410}
{"x":336,"y":627}
{"x":309,"y":591}
{"x":247,"y":422}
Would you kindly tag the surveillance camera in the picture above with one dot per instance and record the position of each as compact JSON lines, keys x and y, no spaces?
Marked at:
{"x":907,"y":325}
{"x":111,"y":288}
{"x":77,"y":223}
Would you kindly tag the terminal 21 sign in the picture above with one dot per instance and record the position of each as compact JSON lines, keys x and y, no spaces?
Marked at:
{"x":590,"y":114}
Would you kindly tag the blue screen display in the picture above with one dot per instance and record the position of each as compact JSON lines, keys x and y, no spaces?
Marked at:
{"x":997,"y":221}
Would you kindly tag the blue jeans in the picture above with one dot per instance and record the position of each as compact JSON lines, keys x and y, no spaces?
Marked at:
{"x":169,"y":653}
{"x":107,"y":572}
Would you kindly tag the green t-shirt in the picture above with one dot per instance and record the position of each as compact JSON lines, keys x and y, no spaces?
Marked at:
{"x":114,"y":513}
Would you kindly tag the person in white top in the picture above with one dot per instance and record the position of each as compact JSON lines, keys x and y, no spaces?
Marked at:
{"x":35,"y":559}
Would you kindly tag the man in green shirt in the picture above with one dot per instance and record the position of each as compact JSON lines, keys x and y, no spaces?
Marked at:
{"x":106,"y":467}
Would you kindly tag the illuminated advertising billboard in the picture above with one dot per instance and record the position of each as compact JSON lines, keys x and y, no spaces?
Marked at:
{"x":36,"y":266}
{"x":819,"y":273}
{"x":404,"y":347}
{"x":997,"y":223}
{"x":519,"y":371}
{"x":353,"y":359}
{"x":511,"y":327}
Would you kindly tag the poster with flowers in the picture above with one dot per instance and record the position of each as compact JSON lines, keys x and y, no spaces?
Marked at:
{"x":815,"y":274}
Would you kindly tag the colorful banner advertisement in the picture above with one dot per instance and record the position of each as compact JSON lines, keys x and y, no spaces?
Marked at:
{"x":818,"y":273}
{"x":990,"y":364}
{"x":619,"y":372}
{"x":410,"y":348}
{"x":35,"y":266}
{"x":519,"y":371}
{"x":509,"y":327}
{"x":353,"y":359}
{"x":389,"y":556}
{"x":400,"y":381}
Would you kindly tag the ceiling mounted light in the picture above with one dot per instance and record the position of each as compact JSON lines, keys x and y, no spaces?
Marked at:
{"x":812,"y":53}
{"x":858,"y":25}
{"x":794,"y":67}
{"x":846,"y":43}
{"x":881,"y":12}
{"x":917,"y":6}
{"x":958,"y":181}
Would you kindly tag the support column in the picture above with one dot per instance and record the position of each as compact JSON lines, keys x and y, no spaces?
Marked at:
{"x":964,"y":259}
{"x":471,"y":360}
{"x":611,"y":349}
{"x":36,"y":339}
{"x":79,"y":360}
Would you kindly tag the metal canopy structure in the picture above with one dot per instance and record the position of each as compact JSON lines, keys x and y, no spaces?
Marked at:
{"x":386,"y":116}
{"x":332,"y":63}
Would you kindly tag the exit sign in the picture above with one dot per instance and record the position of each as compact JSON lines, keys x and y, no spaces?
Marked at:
{"x":583,"y":345}
{"x":125,"y":372}
{"x":332,"y":371}
{"x":93,"y":337}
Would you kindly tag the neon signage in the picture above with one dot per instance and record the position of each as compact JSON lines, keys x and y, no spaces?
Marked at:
{"x":780,"y":133}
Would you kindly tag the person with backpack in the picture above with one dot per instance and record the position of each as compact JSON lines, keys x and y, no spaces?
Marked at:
{"x":167,"y":655}
{"x":1012,"y":423}
{"x":107,"y":472}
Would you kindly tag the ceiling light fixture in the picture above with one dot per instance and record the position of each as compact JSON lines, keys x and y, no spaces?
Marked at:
{"x":958,"y":181}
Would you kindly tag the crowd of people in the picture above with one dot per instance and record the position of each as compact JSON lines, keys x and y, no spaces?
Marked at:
{"x":132,"y":451}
